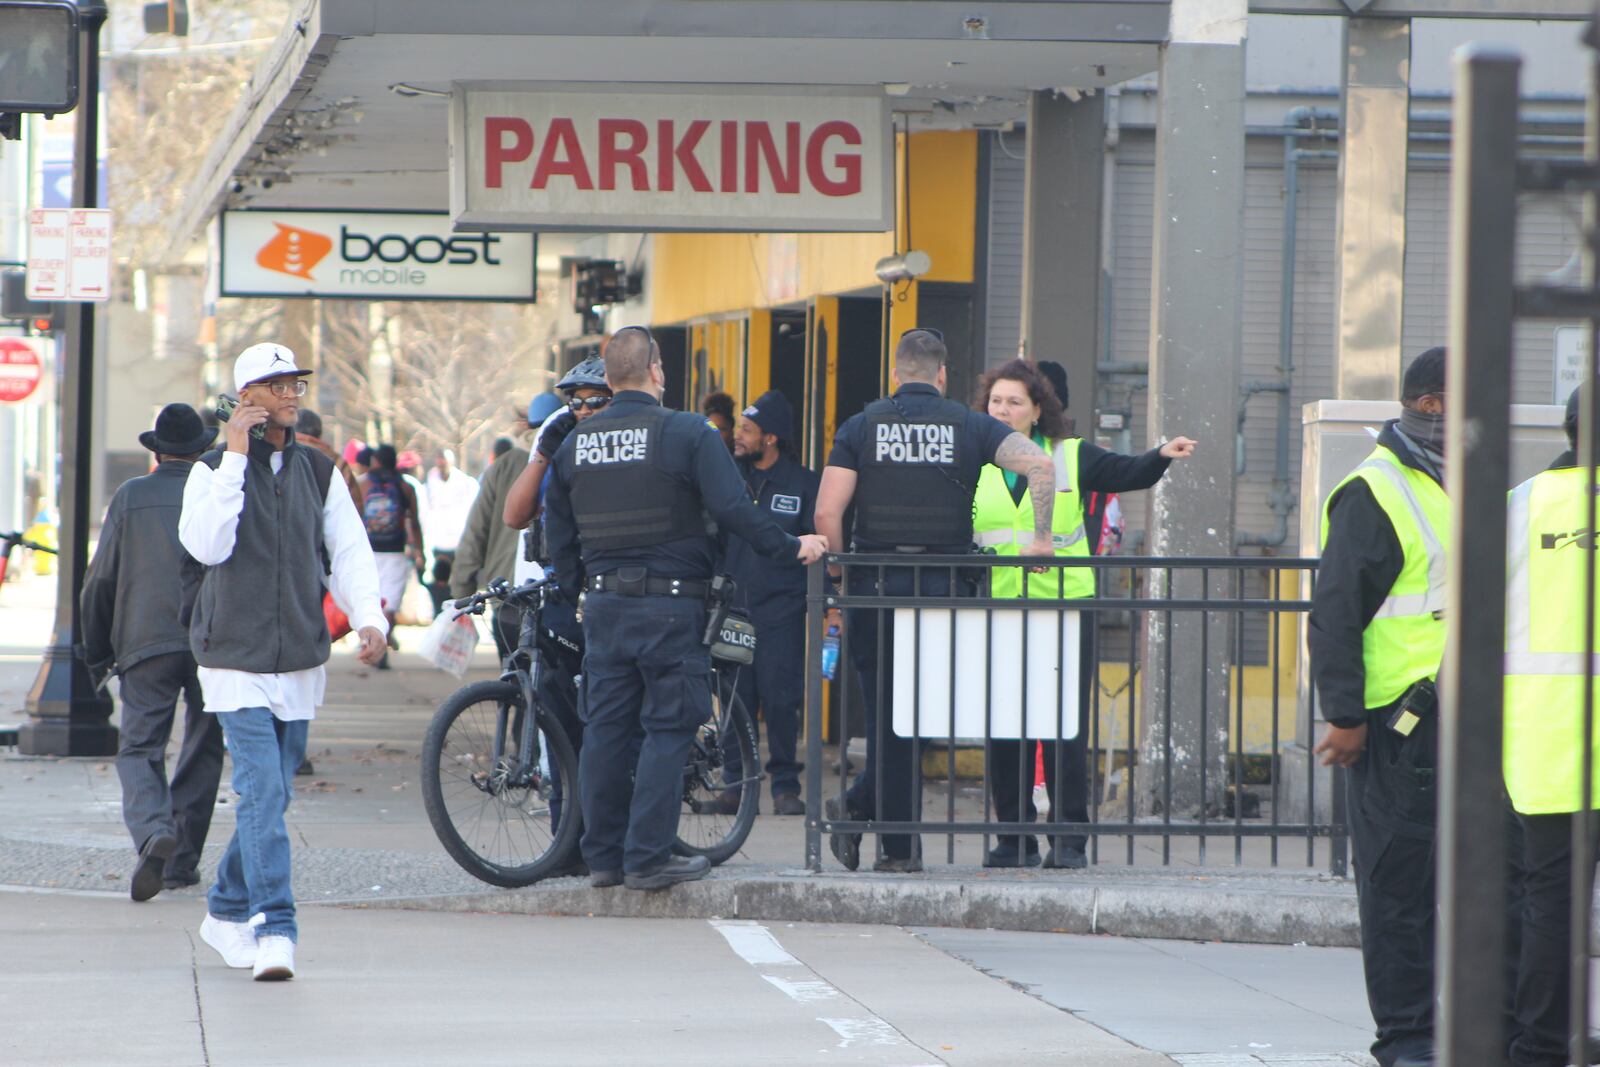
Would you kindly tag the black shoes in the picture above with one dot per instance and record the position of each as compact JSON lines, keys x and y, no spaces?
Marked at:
{"x":1007,"y":854}
{"x":788,"y":804}
{"x":846,"y":848}
{"x":605,"y":879}
{"x":898,"y":865}
{"x":306,"y":769}
{"x":1066,"y":857}
{"x":149,"y":873}
{"x":677,"y":869}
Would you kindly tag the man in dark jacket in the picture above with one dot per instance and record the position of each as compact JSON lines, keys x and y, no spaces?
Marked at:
{"x":132,"y":596}
{"x":1376,"y":637}
{"x":774,"y":593}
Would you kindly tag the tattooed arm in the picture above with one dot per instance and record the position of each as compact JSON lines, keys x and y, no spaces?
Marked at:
{"x":1021,"y":456}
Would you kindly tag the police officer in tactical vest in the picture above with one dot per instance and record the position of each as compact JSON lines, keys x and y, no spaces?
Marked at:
{"x":625,"y":514}
{"x":1548,"y":543}
{"x":1376,"y":637}
{"x":910,"y":463}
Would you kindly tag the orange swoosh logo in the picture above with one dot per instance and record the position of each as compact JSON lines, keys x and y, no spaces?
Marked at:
{"x":294,"y":251}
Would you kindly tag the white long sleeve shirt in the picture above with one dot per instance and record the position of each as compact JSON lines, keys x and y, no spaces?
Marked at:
{"x":212,"y":503}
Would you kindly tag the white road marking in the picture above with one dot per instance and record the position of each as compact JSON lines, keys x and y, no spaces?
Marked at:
{"x":804,"y":992}
{"x":873,"y":1031}
{"x":756,"y":945}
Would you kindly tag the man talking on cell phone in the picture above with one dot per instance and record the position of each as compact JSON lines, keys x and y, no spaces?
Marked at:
{"x":270,"y":525}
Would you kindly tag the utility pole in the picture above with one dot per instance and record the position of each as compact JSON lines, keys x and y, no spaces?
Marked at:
{"x":68,"y":715}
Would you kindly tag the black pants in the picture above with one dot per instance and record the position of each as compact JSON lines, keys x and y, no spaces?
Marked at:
{"x":890,"y":766}
{"x":149,"y":693}
{"x":775,"y":683}
{"x":444,"y":561}
{"x":647,"y":681}
{"x":1390,"y":810}
{"x":1011,"y":765}
{"x":1544,"y":976}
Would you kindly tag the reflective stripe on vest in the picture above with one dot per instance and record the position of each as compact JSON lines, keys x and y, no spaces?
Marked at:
{"x":1005,"y":526}
{"x":1404,"y":642}
{"x":1546,"y":664}
{"x":1432,"y":602}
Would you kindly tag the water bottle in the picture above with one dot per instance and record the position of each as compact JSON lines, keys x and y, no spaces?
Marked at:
{"x":830,"y":653}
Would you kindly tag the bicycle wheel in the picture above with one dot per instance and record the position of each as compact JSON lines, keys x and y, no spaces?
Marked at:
{"x":507,"y":824}
{"x":723,"y":757}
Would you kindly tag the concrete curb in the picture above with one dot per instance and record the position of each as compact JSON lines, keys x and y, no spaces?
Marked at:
{"x":1265,"y":909}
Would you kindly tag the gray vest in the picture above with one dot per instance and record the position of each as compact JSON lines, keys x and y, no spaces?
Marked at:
{"x":261,"y":611}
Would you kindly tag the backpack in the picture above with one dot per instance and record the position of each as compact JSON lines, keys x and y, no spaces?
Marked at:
{"x":383,"y":510}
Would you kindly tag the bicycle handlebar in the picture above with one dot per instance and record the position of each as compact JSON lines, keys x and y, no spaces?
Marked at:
{"x":501,"y":589}
{"x":16,"y":539}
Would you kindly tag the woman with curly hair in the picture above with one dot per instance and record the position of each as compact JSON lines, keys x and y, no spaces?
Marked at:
{"x":1018,"y":394}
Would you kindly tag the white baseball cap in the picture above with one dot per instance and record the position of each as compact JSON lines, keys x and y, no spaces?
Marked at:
{"x":265,"y":360}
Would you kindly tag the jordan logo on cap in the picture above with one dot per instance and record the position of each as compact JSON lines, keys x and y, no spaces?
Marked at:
{"x":277,"y":358}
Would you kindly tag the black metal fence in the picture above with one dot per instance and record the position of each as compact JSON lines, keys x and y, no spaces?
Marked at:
{"x":1172,"y":705}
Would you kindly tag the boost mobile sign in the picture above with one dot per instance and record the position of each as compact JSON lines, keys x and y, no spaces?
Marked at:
{"x":371,"y":255}
{"x":667,"y":157}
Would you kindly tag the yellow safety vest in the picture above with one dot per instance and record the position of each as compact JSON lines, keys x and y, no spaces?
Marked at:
{"x":1005,"y":526}
{"x":1404,"y":642}
{"x":1547,"y":547}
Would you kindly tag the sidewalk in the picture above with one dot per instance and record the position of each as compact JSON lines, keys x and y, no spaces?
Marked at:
{"x":362,"y":838}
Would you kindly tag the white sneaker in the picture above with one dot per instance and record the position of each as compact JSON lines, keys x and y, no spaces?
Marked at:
{"x":274,"y":958}
{"x":234,"y":942}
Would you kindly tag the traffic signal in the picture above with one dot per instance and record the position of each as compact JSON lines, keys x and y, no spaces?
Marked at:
{"x":170,"y":18}
{"x":36,"y":315}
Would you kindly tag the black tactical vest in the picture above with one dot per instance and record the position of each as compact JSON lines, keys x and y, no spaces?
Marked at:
{"x":909,"y":489}
{"x":623,"y":496}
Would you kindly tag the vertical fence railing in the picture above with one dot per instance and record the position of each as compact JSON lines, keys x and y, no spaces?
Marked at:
{"x":1475,"y":871}
{"x":947,"y":680}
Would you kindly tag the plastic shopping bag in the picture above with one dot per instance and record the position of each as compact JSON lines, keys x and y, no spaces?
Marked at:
{"x":450,"y":642}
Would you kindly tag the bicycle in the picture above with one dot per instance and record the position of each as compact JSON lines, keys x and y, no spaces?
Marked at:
{"x":502,"y":799}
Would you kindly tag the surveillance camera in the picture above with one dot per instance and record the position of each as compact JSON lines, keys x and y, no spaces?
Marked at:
{"x":266,"y":183}
{"x":902,"y":268}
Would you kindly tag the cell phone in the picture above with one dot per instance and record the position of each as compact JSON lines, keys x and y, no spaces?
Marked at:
{"x":227,"y":404}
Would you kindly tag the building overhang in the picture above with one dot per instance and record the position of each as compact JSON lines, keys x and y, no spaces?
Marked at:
{"x":351,"y":108}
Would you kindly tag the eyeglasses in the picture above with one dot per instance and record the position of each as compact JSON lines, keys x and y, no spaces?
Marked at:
{"x":938,"y":336}
{"x":593,"y":403}
{"x":287,"y":387}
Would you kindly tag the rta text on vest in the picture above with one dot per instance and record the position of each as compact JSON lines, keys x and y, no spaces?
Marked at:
{"x":912,"y":443}
{"x":612,"y":446}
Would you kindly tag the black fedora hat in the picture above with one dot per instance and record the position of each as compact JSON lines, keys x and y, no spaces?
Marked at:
{"x":178,"y":432}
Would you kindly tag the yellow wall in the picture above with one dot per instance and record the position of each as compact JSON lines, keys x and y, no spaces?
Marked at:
{"x":699,"y":274}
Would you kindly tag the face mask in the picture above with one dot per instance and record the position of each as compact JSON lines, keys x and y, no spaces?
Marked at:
{"x":1426,"y":430}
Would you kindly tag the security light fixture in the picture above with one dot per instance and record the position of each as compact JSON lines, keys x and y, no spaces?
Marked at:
{"x":902,"y":268}
{"x":38,"y":57}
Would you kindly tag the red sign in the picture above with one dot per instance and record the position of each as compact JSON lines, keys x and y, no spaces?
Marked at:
{"x":19,"y":370}
{"x":670,"y":158}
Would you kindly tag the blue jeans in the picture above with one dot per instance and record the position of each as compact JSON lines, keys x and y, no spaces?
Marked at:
{"x":254,"y":873}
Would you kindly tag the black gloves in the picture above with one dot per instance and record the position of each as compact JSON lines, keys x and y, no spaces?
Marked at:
{"x":555,"y":433}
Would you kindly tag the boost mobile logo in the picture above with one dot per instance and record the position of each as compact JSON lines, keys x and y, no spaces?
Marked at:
{"x":294,"y":251}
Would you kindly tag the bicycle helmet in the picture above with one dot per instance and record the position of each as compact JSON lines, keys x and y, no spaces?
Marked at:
{"x":590,"y":374}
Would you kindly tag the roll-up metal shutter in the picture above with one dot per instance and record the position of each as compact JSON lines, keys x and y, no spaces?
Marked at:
{"x":1003,"y":319}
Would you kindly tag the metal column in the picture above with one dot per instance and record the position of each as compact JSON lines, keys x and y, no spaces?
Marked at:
{"x":1195,"y":344}
{"x":1371,"y":237}
{"x":1470,"y":956}
{"x":1064,"y":187}
{"x":69,"y":717}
